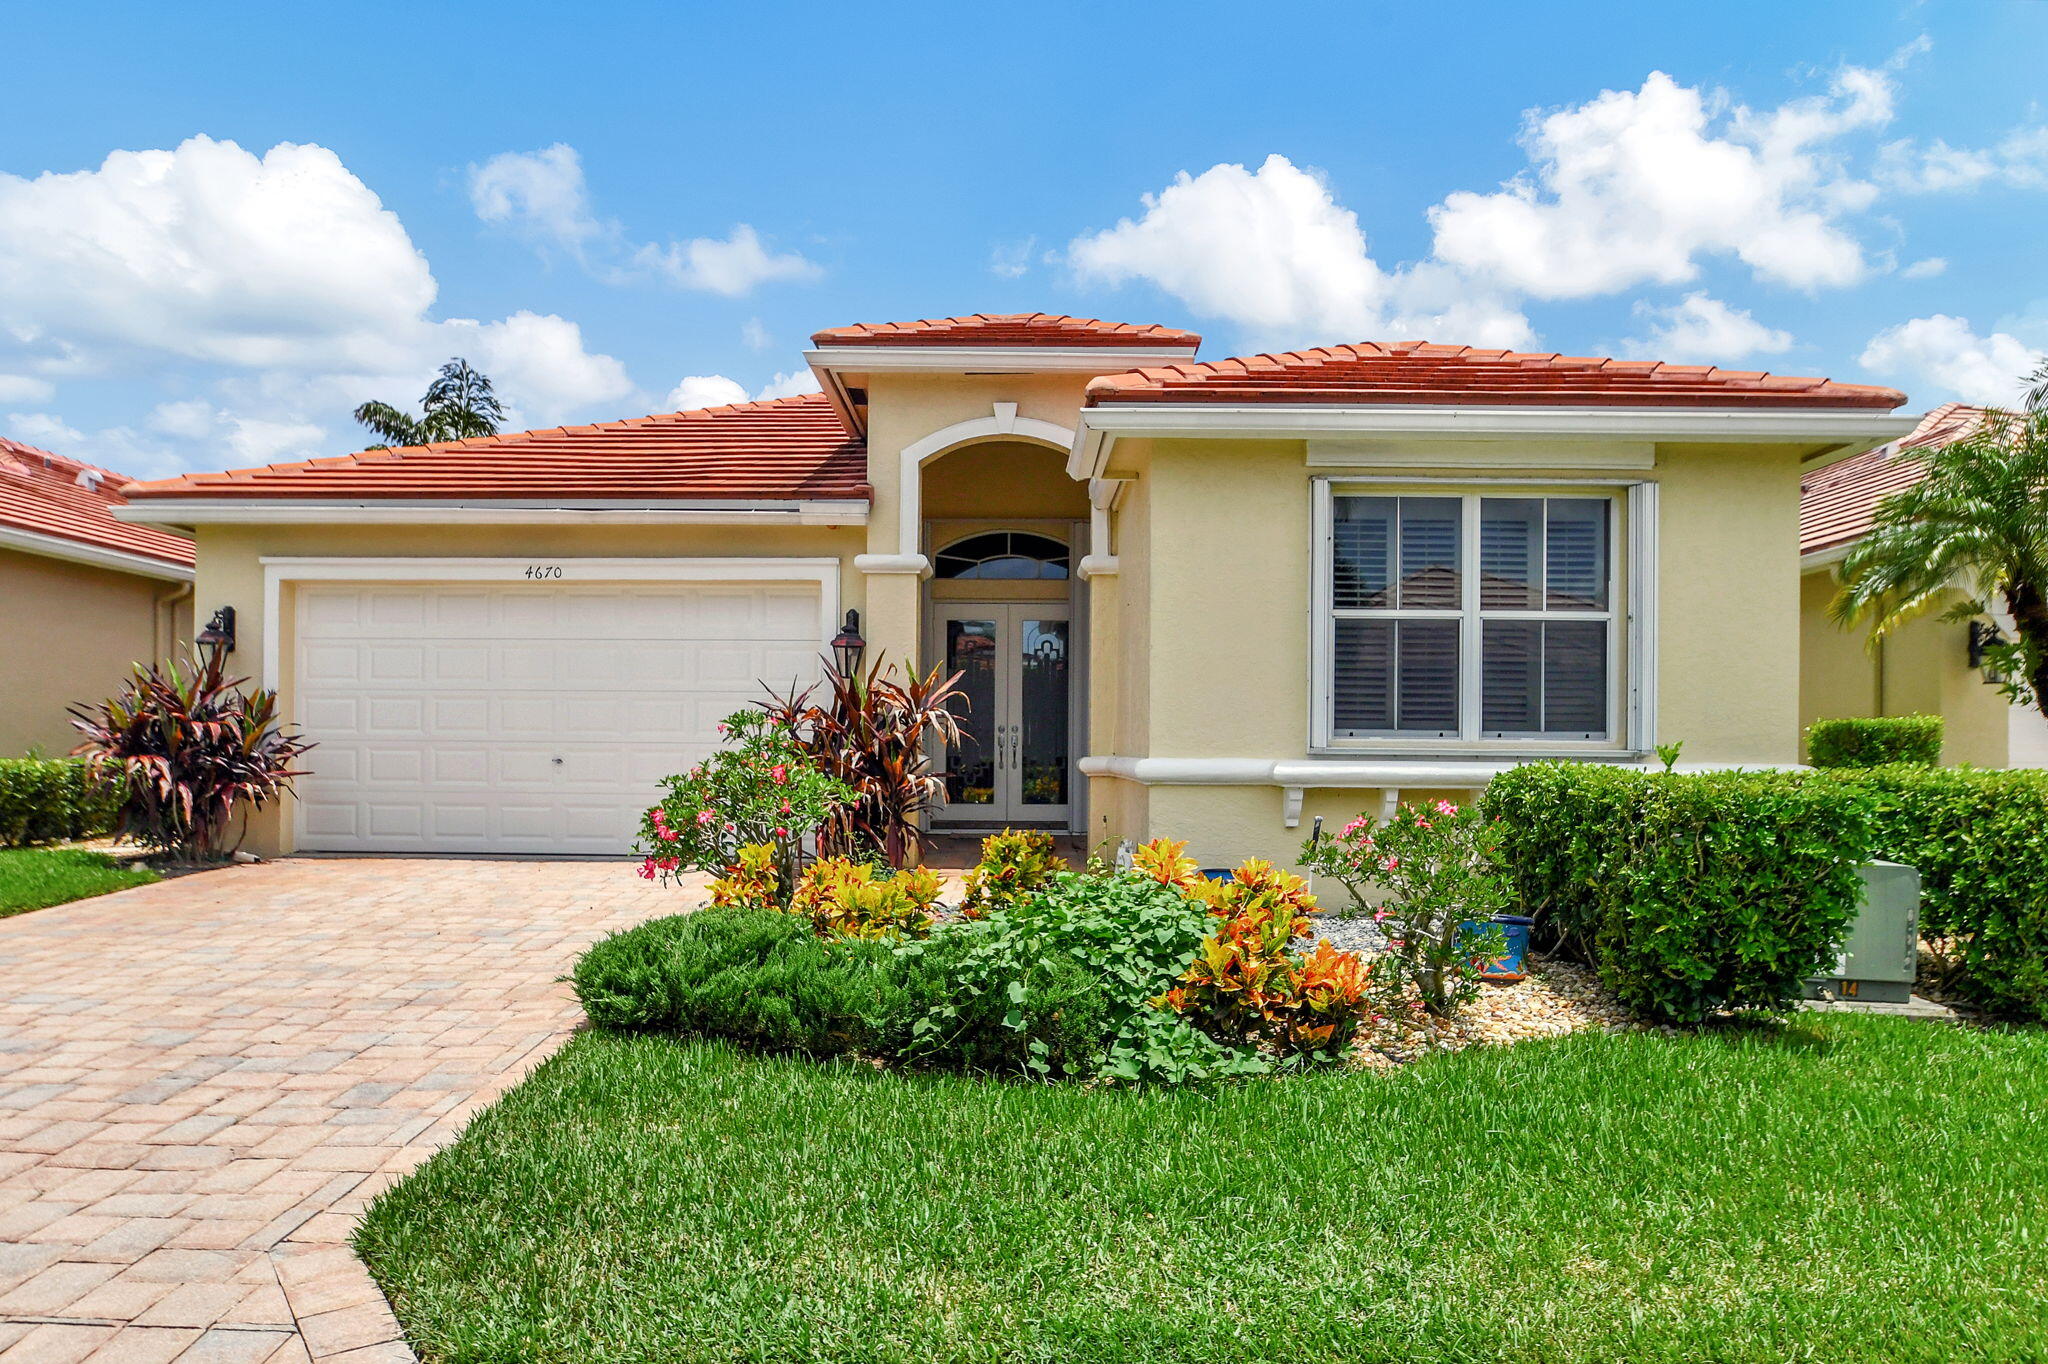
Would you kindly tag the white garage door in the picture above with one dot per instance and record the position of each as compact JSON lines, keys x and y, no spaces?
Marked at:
{"x":524,"y":718}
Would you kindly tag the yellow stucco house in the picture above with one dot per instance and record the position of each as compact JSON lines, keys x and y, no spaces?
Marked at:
{"x":1927,"y":667}
{"x":1210,"y":600}
{"x":83,"y":597}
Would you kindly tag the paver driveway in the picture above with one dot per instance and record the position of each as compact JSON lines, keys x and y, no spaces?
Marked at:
{"x":204,"y":1081}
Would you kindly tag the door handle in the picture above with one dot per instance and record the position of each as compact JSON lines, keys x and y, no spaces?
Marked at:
{"x":1016,"y":760}
{"x":999,"y":748}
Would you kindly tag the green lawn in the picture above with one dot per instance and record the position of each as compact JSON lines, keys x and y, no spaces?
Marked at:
{"x":1854,"y":1185}
{"x":36,"y":878}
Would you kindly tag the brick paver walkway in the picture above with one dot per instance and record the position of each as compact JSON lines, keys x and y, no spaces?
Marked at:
{"x":203,"y":1082}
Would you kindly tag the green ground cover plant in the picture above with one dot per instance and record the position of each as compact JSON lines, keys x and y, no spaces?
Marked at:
{"x":36,"y":878}
{"x":1740,"y":1194}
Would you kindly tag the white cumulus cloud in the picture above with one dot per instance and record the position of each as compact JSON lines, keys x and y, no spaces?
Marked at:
{"x":2019,"y":160}
{"x":543,"y":196}
{"x":1927,"y":268}
{"x":1273,"y":251}
{"x":540,"y":193}
{"x":1637,"y":187}
{"x":716,"y":390}
{"x":1943,"y":353}
{"x":282,"y":272}
{"x":1699,"y":329}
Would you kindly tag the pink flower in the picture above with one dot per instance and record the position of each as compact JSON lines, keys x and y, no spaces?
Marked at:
{"x":1389,"y":863}
{"x":669,"y":863}
{"x":780,"y":773}
{"x":1354,"y":826}
{"x":705,"y":817}
{"x":785,"y":808}
{"x":1446,"y":808}
{"x":1379,"y":916}
{"x":781,"y":832}
{"x":647,"y":870}
{"x":730,"y":826}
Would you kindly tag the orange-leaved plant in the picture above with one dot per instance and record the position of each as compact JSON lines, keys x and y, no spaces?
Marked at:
{"x":1248,"y":984}
{"x":1014,"y":863}
{"x":846,"y":899}
{"x":752,"y":881}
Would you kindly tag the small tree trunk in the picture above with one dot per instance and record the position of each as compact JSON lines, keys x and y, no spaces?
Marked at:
{"x":2030,"y":621}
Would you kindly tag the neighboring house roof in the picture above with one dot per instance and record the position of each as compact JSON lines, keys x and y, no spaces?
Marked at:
{"x":1420,"y":372}
{"x":1007,"y":329}
{"x":1838,"y":504}
{"x":52,"y":498}
{"x":784,"y":449}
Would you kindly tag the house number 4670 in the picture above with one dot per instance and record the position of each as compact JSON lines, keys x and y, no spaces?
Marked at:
{"x":543,"y":570}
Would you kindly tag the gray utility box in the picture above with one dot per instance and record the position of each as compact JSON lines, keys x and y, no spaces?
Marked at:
{"x":1881,"y":954}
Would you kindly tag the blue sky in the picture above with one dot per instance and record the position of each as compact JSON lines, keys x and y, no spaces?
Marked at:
{"x":222,"y":227}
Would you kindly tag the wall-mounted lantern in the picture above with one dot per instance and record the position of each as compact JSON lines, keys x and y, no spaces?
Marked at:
{"x":848,"y":646}
{"x":219,"y":635}
{"x":1985,"y":637}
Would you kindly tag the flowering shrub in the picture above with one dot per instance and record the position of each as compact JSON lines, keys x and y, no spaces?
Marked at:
{"x":844,"y":899}
{"x":1435,"y":867}
{"x":760,"y":791}
{"x":1247,"y":985}
{"x":1013,"y":864}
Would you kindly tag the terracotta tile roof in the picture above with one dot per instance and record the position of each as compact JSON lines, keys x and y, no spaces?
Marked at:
{"x":43,"y":494}
{"x":1838,"y":504}
{"x":1419,"y":372}
{"x":784,"y":449}
{"x":1006,"y":329}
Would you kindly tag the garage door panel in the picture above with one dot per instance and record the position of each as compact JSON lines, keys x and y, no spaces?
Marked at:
{"x":441,"y":710}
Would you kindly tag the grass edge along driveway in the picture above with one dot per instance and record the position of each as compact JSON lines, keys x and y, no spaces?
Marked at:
{"x":36,"y":878}
{"x":1762,"y":1194}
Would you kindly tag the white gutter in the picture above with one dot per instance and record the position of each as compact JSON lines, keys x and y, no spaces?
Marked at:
{"x":77,"y":551}
{"x":1842,"y":432}
{"x":242,"y":511}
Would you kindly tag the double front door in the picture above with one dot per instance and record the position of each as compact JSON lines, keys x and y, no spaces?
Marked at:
{"x":1013,"y":764}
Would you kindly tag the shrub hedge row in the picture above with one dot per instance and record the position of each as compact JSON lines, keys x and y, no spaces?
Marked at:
{"x":1980,"y":842}
{"x":1693,"y":893}
{"x":43,"y":800}
{"x":1875,"y":741}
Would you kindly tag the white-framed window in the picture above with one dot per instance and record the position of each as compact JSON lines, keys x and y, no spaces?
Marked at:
{"x":1457,"y":617}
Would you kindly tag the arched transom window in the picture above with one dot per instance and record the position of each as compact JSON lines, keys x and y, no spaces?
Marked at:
{"x":1006,"y":554}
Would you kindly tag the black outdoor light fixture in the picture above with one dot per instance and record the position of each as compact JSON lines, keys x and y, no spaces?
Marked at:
{"x":848,"y":646}
{"x":219,"y":635}
{"x":1984,"y":636}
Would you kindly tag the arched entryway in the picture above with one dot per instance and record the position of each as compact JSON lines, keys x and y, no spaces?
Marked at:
{"x":1004,"y":529}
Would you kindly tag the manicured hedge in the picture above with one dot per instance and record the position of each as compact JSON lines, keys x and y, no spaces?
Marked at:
{"x":43,"y":800}
{"x":1693,"y":893}
{"x":1980,"y":842}
{"x":1875,"y":741}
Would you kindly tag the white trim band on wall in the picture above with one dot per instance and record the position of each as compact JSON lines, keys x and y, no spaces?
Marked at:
{"x":277,"y":571}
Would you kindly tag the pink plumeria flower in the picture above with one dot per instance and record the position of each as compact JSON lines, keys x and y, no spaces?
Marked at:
{"x":1389,"y":863}
{"x":1444,"y":807}
{"x":780,"y":773}
{"x":705,"y":817}
{"x":781,"y":832}
{"x":647,"y":870}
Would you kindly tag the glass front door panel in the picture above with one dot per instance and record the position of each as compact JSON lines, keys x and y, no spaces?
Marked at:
{"x":1043,"y":693}
{"x":972,"y":651}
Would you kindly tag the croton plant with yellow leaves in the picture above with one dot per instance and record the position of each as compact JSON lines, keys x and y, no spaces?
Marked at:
{"x":1248,"y":984}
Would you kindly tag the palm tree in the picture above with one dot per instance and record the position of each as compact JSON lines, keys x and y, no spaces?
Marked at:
{"x":1976,"y":523}
{"x":459,"y":404}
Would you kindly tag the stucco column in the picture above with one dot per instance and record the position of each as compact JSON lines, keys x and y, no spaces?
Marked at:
{"x":891,"y":622}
